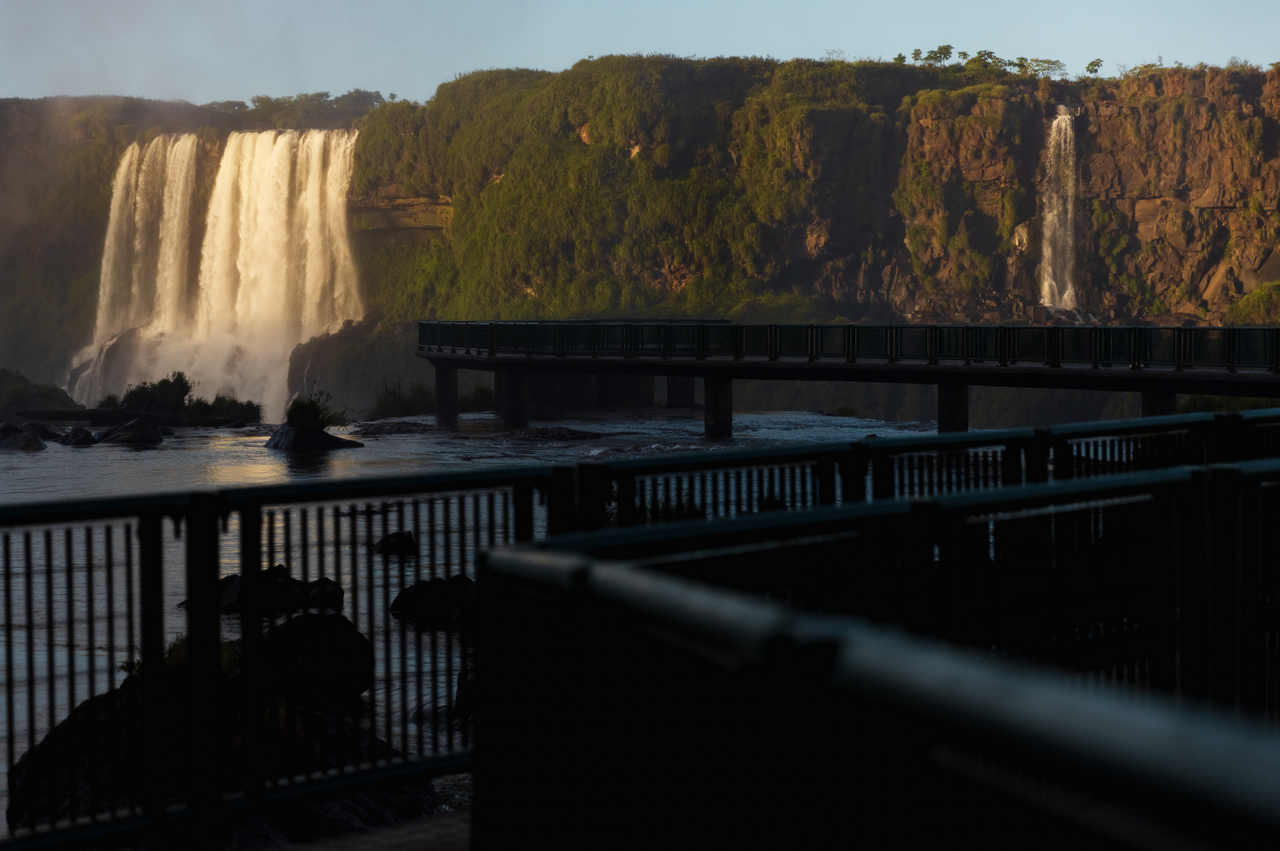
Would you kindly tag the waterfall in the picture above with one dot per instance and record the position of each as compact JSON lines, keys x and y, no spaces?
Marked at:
{"x":275,"y":265}
{"x":1058,"y":242}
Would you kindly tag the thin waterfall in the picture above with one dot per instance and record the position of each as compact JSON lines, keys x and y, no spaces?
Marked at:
{"x":1058,"y":194}
{"x":275,"y":265}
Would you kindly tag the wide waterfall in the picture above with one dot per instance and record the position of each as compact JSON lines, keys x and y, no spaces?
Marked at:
{"x":1058,"y":242}
{"x":275,"y":265}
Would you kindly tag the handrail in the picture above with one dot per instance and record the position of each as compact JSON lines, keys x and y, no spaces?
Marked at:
{"x":1128,"y":347}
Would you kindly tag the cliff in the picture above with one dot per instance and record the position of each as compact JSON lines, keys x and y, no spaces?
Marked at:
{"x":808,"y":191}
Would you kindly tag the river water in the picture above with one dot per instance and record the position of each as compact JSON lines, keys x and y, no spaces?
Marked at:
{"x":79,"y":626}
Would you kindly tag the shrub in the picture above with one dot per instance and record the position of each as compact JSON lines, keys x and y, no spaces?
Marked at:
{"x":225,"y":406}
{"x":1260,"y":307}
{"x":108,"y":402}
{"x":313,"y":412}
{"x":479,"y":399}
{"x":169,"y":395}
{"x":1224,"y":404}
{"x":397,"y":401}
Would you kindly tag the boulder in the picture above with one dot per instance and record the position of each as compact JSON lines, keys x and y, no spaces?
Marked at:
{"x":43,"y":431}
{"x":431,"y":603}
{"x":464,"y":617}
{"x":397,"y":544}
{"x":23,"y":441}
{"x":294,"y":439}
{"x":133,"y":433}
{"x":319,"y":660}
{"x":78,"y":436}
{"x":8,"y":430}
{"x":281,"y":593}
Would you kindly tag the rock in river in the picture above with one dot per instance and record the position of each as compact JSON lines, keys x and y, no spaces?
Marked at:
{"x":432,"y":603}
{"x":295,"y":439}
{"x":78,"y":436}
{"x":22,"y":442}
{"x":133,"y":433}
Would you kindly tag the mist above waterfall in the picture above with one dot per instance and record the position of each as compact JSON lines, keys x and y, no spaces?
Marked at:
{"x":1058,"y":242}
{"x":275,"y":265}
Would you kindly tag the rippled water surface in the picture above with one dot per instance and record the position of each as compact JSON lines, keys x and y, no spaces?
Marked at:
{"x":214,"y":458}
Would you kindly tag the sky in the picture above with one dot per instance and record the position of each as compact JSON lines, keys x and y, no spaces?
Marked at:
{"x":235,"y":49}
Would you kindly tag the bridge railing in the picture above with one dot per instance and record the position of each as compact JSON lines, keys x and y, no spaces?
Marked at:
{"x":1132,"y":347}
{"x":124,"y":716}
{"x":881,"y":737}
{"x":707,"y":485}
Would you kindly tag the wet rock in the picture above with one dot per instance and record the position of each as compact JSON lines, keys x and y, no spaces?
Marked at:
{"x":288,"y":438}
{"x":43,"y":431}
{"x":319,"y":660}
{"x":23,"y":441}
{"x":431,"y":603}
{"x":133,"y":433}
{"x":8,"y":430}
{"x":281,"y":594}
{"x":397,"y":544}
{"x":78,"y":436}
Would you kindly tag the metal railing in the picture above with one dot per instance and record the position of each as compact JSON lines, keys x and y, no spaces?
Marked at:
{"x":1133,"y":347}
{"x":800,"y":730}
{"x":708,"y":485}
{"x":125,"y":716}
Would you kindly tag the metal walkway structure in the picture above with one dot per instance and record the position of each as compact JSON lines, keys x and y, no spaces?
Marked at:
{"x":1157,"y":362}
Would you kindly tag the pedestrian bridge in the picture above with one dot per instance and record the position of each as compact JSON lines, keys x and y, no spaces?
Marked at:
{"x":1157,"y":362}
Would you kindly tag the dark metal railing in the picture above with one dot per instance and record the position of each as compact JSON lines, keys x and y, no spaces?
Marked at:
{"x":795,"y":729}
{"x":293,"y":682}
{"x":1055,"y":346}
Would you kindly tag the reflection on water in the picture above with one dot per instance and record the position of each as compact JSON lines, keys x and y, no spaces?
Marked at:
{"x":212,"y":458}
{"x":307,"y":465}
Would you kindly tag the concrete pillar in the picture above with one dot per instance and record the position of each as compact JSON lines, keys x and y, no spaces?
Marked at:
{"x":1159,"y":404}
{"x":717,"y":415}
{"x":499,"y":395}
{"x":447,"y":396}
{"x":515,"y":400}
{"x":679,"y":392}
{"x":953,"y":408}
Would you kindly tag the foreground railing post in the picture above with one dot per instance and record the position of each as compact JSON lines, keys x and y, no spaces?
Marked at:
{"x":253,"y":696}
{"x":560,"y":501}
{"x":151,"y":588}
{"x":204,"y":672}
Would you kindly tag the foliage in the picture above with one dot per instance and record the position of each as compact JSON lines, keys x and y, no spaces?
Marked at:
{"x":172,"y":395}
{"x":169,"y":395}
{"x":1260,"y":307}
{"x":313,"y":412}
{"x":1223,"y":404}
{"x":396,"y":400}
{"x":479,"y":399}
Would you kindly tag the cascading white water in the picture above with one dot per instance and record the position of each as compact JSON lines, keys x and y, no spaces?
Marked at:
{"x":275,"y":265}
{"x":1058,"y":241}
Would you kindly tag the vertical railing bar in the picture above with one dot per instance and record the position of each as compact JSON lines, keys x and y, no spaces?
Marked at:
{"x":49,"y":660}
{"x":435,"y":661}
{"x":8,"y":651}
{"x":89,"y":652}
{"x":417,"y":630}
{"x":31,"y":640}
{"x":448,"y":574}
{"x":404,"y":640}
{"x":369,"y":625}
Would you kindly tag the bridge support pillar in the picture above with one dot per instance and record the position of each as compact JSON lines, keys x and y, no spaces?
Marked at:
{"x":447,"y":396}
{"x":1159,"y":404}
{"x":515,"y":400}
{"x":953,"y":408}
{"x":679,"y":392}
{"x":717,"y":415}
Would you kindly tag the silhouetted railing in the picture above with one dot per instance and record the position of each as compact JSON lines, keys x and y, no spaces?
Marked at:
{"x":121,"y":719}
{"x":1128,"y":347}
{"x":793,"y":729}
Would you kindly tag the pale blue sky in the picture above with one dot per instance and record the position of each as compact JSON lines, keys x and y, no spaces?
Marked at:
{"x":204,"y":50}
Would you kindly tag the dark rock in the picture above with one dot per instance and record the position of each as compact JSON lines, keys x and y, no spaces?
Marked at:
{"x":281,"y":593}
{"x":78,"y":436}
{"x":166,"y":431}
{"x":464,"y":617}
{"x":431,"y":603}
{"x":43,"y":431}
{"x":397,"y":544}
{"x":8,"y":430}
{"x":289,"y":438}
{"x":133,"y":433}
{"x":234,"y":424}
{"x":319,"y":660}
{"x":23,"y":441}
